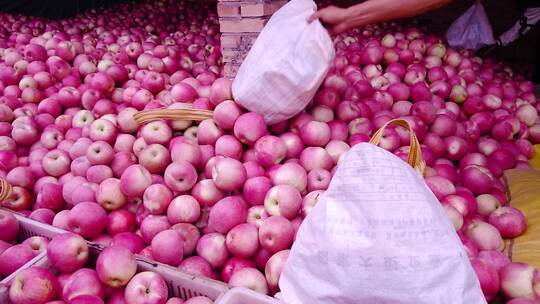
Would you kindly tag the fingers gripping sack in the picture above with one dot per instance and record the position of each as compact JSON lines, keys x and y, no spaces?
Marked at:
{"x":286,"y":65}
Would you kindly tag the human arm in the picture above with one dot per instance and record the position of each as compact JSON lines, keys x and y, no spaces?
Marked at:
{"x":340,"y":20}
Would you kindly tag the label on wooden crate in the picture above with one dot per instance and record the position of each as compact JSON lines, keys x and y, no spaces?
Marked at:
{"x":261,"y":8}
{"x":242,"y":25}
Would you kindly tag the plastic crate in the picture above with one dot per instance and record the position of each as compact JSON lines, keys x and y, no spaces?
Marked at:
{"x":184,"y":285}
{"x":180,"y":285}
{"x":27,"y":229}
{"x":241,"y":295}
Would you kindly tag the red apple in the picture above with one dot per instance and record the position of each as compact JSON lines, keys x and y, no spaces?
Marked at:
{"x":14,"y":257}
{"x":273,"y":268}
{"x":115,"y":266}
{"x":109,"y":195}
{"x":249,"y":278}
{"x":243,"y":240}
{"x":190,"y":234}
{"x":87,"y":219}
{"x":146,"y":288}
{"x":276,"y":233}
{"x":212,"y":248}
{"x":84,"y":281}
{"x":34,"y":285}
{"x":68,"y":252}
{"x":9,"y":226}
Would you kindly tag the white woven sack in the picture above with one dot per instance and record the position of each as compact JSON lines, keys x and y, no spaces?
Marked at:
{"x":286,"y":65}
{"x":471,"y":30}
{"x":378,"y":235}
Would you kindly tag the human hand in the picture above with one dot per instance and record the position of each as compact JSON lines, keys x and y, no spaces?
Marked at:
{"x":333,"y":17}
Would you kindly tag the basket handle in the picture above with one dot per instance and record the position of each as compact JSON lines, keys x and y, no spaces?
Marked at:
{"x":5,"y":190}
{"x":146,"y":116}
{"x":415,"y":152}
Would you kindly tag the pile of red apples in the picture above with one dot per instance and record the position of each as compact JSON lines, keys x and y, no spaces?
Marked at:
{"x":223,"y":198}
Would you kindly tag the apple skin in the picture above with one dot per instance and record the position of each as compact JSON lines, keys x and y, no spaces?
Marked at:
{"x":87,"y":219}
{"x":135,"y":180}
{"x":109,"y":195}
{"x":197,"y":266}
{"x":50,"y":197}
{"x":284,"y":200}
{"x":68,"y":252}
{"x":86,"y":299}
{"x":276,"y":233}
{"x":104,"y":130}
{"x":183,"y":209}
{"x":168,"y":247}
{"x":56,"y":163}
{"x":228,"y":173}
{"x":4,"y":246}
{"x":115,"y":266}
{"x":255,"y":189}
{"x":155,"y":158}
{"x":100,"y":153}
{"x":156,"y":132}
{"x":117,"y":296}
{"x":61,"y":219}
{"x":309,"y":201}
{"x":256,"y":215}
{"x":157,"y":198}
{"x":152,"y":225}
{"x":212,"y":248}
{"x":37,"y":243}
{"x":207,"y":193}
{"x":120,"y":220}
{"x":190,"y":234}
{"x":129,"y":240}
{"x":249,"y":278}
{"x":83,"y":281}
{"x":227,"y":213}
{"x":14,"y":257}
{"x":318,"y":179}
{"x":34,"y":285}
{"x":146,"y":288}
{"x":104,"y":240}
{"x":243,"y":240}
{"x":98,"y":173}
{"x":274,"y":267}
{"x":9,"y":226}
{"x":233,"y":265}
{"x":180,"y":176}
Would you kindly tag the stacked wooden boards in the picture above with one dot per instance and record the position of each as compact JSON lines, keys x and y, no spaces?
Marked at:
{"x":240,"y":23}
